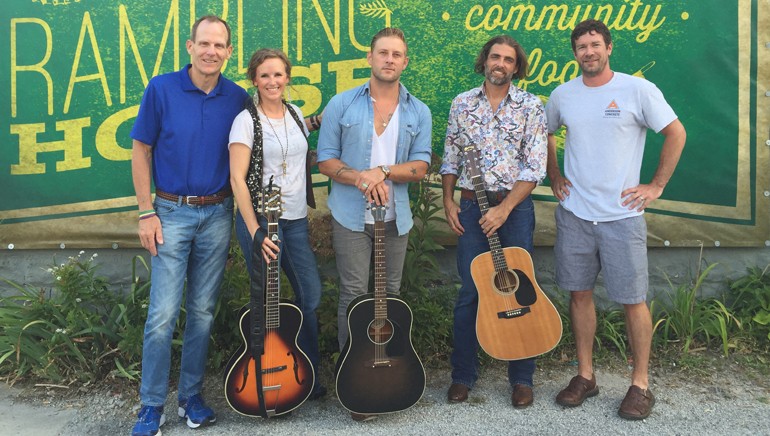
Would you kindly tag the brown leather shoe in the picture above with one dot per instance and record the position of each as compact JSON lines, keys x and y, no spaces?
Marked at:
{"x":577,"y":391}
{"x":637,"y":404}
{"x":521,"y":396}
{"x":457,"y":393}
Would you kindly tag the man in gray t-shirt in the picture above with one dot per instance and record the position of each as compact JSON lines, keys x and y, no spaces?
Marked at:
{"x":599,"y":221}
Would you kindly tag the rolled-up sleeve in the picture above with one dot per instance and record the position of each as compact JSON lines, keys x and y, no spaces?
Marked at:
{"x":535,"y":144}
{"x":329,"y":138}
{"x":451,"y":160}
{"x":421,"y":147}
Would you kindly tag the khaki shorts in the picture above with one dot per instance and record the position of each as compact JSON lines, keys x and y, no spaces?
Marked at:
{"x":616,"y":248}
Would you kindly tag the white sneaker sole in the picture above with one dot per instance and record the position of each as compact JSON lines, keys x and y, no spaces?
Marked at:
{"x":182,"y":414}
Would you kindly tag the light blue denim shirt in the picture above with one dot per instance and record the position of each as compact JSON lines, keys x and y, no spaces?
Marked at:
{"x":346,"y":134}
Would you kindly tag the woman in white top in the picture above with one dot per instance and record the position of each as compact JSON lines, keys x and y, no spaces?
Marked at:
{"x":268,"y":140}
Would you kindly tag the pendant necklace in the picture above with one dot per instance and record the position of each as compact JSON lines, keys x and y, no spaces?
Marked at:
{"x":384,"y":121}
{"x":284,"y":153}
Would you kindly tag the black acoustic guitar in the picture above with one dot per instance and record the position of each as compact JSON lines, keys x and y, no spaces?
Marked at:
{"x":378,"y":370}
{"x":274,"y":376}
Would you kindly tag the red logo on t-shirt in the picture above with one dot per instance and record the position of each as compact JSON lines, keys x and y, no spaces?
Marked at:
{"x":612,"y":111}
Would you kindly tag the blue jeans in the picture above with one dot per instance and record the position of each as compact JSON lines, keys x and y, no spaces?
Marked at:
{"x":299,"y":264}
{"x":196,"y":240}
{"x":516,"y":231}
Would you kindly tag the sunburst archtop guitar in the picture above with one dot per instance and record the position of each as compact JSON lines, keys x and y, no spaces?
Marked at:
{"x":274,"y":376}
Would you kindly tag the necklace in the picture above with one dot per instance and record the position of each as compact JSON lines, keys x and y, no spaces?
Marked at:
{"x":284,"y":153}
{"x":384,"y":121}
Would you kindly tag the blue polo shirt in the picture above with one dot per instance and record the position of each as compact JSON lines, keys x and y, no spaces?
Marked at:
{"x":188,"y":131}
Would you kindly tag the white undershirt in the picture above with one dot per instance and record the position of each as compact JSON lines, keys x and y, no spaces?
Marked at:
{"x":384,"y":153}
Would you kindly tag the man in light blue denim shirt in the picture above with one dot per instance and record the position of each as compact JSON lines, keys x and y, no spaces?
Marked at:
{"x":374,"y":140}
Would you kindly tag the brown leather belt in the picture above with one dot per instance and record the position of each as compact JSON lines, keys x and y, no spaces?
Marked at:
{"x":493,"y":197}
{"x":196,"y":200}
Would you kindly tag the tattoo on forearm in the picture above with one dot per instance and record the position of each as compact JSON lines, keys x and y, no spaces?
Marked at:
{"x":342,"y":170}
{"x":414,"y":171}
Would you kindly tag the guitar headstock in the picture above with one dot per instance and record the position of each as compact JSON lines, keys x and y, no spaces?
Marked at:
{"x":471,"y":159}
{"x":378,"y":212}
{"x":271,"y":202}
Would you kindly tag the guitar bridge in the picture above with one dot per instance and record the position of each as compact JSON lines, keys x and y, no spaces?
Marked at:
{"x":274,"y":369}
{"x":514,"y":313}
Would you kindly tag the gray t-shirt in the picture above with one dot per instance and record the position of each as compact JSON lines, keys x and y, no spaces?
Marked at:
{"x":606,"y":130}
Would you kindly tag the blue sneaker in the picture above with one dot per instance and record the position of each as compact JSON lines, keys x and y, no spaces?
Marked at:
{"x":149,"y":422}
{"x":196,"y":411}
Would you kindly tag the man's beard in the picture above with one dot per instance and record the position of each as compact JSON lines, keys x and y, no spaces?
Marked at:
{"x":498,"y":81}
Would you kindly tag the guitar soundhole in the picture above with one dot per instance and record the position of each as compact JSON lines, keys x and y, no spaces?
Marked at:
{"x":380,"y":331}
{"x":506,"y":282}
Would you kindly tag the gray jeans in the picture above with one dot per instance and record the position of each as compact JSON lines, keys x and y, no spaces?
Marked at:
{"x":353,"y":251}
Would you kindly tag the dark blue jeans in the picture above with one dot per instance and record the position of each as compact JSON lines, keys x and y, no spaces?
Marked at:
{"x":516,"y":231}
{"x":299,"y":264}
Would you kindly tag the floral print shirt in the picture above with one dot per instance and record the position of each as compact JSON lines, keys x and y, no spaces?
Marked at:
{"x":513,"y":140}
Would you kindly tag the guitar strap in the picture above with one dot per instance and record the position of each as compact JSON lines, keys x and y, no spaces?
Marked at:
{"x":257,"y":333}
{"x":254,"y":174}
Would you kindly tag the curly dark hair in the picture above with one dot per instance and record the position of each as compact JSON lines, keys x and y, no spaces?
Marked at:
{"x":521,"y":56}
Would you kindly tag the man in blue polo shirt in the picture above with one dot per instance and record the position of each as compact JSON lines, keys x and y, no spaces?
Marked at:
{"x":180,"y":142}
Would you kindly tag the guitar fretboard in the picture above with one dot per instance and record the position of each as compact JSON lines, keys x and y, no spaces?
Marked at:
{"x":273,"y":288}
{"x":498,"y":258}
{"x":380,"y":280}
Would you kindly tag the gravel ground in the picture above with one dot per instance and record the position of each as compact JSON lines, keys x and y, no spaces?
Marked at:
{"x":724,"y":403}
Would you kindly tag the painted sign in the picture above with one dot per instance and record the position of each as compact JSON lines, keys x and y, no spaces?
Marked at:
{"x":73,"y":73}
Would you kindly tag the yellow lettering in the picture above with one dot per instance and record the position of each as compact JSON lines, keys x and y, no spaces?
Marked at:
{"x":606,"y":10}
{"x":375,"y":10}
{"x":492,"y":23}
{"x":475,"y":10}
{"x":106,"y":136}
{"x":565,"y":17}
{"x":71,"y":145}
{"x":552,"y":10}
{"x":241,"y":58}
{"x":345,"y":70}
{"x":87,"y":26}
{"x":310,"y":95}
{"x":125,"y":30}
{"x":548,"y":73}
{"x":38,"y":67}
{"x":334,"y":38}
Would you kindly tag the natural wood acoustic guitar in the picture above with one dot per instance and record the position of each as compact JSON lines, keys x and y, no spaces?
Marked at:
{"x":515,"y":319}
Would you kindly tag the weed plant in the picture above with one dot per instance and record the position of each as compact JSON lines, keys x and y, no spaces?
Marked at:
{"x":80,"y":330}
{"x":749,"y":299}
{"x":689,"y":320}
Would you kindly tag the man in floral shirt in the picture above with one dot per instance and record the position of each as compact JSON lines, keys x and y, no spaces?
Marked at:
{"x":507,"y":126}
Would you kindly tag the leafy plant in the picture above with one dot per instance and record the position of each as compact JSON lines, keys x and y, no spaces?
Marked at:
{"x":65,"y":334}
{"x":750,"y":301}
{"x":687,"y":319}
{"x":430,"y":297}
{"x":420,"y":265}
{"x":611,"y":329}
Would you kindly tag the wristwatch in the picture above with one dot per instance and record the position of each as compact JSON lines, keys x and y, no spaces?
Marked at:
{"x":385,"y":170}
